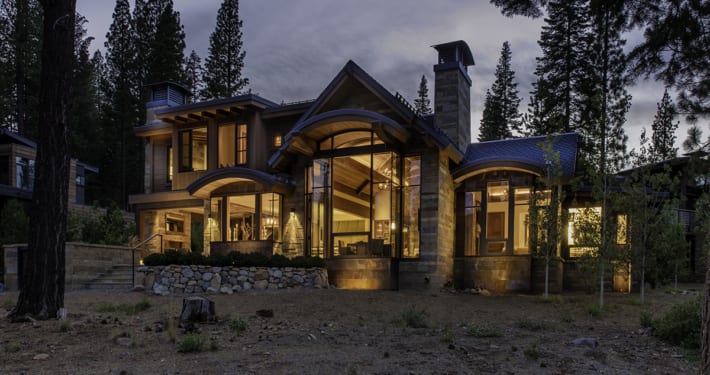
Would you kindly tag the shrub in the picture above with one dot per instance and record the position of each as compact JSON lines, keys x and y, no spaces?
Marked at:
{"x":413,"y":318}
{"x":234,"y":258}
{"x":136,"y":308}
{"x":531,"y":325}
{"x":191,"y":343}
{"x":479,"y":330}
{"x":681,"y":325}
{"x":238,"y":325}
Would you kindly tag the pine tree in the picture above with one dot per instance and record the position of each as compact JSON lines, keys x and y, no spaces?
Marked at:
{"x":603,"y":100}
{"x":500,"y":113}
{"x":224,"y":64}
{"x":663,"y":138}
{"x":552,"y":108}
{"x":85,"y":140}
{"x":20,"y":41}
{"x":193,"y":74}
{"x":167,"y":48}
{"x":122,"y":148}
{"x":422,"y":103}
{"x":42,"y":293}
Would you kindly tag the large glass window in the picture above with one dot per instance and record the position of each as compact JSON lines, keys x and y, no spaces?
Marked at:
{"x":226,"y":145}
{"x":472,"y":211}
{"x":240,"y":211}
{"x":271,"y":217}
{"x":353,"y":198}
{"x":584,"y":230}
{"x":245,"y":217}
{"x":411,"y":187}
{"x":497,"y":216}
{"x":319,"y":184}
{"x":242,"y":144}
{"x":193,"y":150}
{"x":521,"y":232}
{"x":24,"y":173}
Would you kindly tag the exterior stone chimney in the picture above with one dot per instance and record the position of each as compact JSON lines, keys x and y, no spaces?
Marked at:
{"x":452,"y":94}
{"x":165,"y":94}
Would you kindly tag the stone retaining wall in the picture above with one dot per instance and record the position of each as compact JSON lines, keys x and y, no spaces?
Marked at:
{"x":164,"y":280}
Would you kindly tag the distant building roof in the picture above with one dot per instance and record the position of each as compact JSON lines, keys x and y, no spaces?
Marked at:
{"x":524,"y":152}
{"x":6,"y":135}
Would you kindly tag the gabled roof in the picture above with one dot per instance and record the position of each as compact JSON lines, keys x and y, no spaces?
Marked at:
{"x":7,"y":136}
{"x":519,"y":153}
{"x":352,"y":71}
{"x":402,"y":115}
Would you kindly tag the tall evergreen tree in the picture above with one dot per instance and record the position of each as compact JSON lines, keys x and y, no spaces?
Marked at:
{"x":422,"y":104}
{"x":42,"y":293}
{"x":122,"y":148}
{"x":603,"y":100}
{"x":193,"y":74}
{"x":664,"y":128}
{"x":167,"y":48}
{"x":85,"y":140}
{"x":20,"y":26}
{"x":500,"y":113}
{"x":552,"y":106}
{"x":224,"y":64}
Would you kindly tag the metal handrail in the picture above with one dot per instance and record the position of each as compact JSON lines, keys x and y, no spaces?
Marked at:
{"x":133,"y":254}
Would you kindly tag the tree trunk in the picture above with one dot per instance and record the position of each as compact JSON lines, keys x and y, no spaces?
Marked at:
{"x":42,"y":293}
{"x":705,"y":338}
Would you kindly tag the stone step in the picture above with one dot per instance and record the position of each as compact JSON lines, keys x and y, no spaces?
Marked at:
{"x":118,"y":277}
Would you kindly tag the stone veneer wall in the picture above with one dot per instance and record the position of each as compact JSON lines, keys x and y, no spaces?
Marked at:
{"x":435,"y":266}
{"x":165,"y":280}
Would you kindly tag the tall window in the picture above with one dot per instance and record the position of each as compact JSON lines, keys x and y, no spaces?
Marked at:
{"x":245,"y":217}
{"x":472,"y":211}
{"x":411,"y":188}
{"x":193,"y":150}
{"x":521,"y":232}
{"x":24,"y":173}
{"x":584,"y":230}
{"x":226,"y":145}
{"x":170,"y":163}
{"x":497,"y":216}
{"x":319,"y":188}
{"x":241,"y":144}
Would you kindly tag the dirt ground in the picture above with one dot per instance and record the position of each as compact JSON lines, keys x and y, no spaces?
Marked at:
{"x":348,"y":332}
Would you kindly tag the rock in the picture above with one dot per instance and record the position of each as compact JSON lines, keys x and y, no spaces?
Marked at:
{"x":207,"y":276}
{"x":586,"y":341}
{"x":261,"y":275}
{"x":187,"y":272}
{"x":197,"y":309}
{"x":485,"y":292}
{"x":261,"y":284}
{"x":41,"y":356}
{"x":225,"y":290}
{"x":124,"y":341}
{"x":216,"y":281}
{"x":276,"y":273}
{"x":247,"y":285}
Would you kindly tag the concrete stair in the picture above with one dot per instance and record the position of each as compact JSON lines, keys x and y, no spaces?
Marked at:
{"x":118,"y":277}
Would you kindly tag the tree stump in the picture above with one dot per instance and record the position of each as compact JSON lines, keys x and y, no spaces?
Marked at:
{"x":197,"y":310}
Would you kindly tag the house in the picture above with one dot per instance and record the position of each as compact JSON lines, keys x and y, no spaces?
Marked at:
{"x":392,"y":199}
{"x":17,"y":163}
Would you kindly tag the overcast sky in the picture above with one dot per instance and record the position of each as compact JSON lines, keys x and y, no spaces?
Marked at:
{"x":295,"y":47}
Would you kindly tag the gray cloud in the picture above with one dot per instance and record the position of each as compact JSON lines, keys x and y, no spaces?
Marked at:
{"x":295,"y":47}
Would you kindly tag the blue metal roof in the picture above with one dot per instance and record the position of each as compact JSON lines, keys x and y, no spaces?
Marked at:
{"x":524,"y":151}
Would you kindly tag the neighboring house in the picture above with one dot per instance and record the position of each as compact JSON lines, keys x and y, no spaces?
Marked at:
{"x":390,"y":198}
{"x":17,"y":166}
